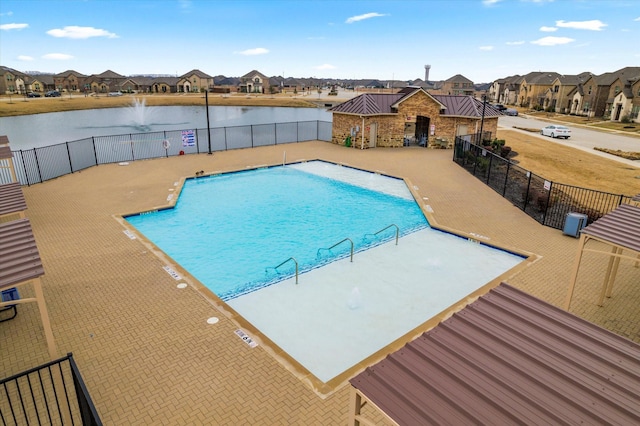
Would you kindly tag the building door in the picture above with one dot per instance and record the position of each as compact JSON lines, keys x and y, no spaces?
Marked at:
{"x":373,"y":134}
{"x":422,"y":130}
{"x":618,"y":111}
{"x":461,"y":130}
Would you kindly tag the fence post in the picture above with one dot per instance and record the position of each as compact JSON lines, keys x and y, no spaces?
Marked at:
{"x":69,"y":156}
{"x":95,"y":153}
{"x":546,"y":207}
{"x":526,"y":195}
{"x":251,"y":135}
{"x":506,"y":179}
{"x":24,"y":167}
{"x":35,"y":154}
{"x":226,"y":148}
{"x":133,"y":155}
{"x":489,"y":168}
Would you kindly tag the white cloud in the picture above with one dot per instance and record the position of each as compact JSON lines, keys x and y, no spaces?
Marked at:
{"x":57,"y":56}
{"x":325,"y":67}
{"x":76,"y":32}
{"x":548,"y":29}
{"x":363,"y":17}
{"x":515,"y":43}
{"x":7,"y":27}
{"x":486,"y":47}
{"x":552,"y":41}
{"x":490,"y":2}
{"x":252,"y":52}
{"x":25,"y":58}
{"x":6,"y":14}
{"x":593,"y":25}
{"x":637,"y":19}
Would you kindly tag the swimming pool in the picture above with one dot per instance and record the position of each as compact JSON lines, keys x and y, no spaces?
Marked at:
{"x":340,"y":314}
{"x":230,"y":231}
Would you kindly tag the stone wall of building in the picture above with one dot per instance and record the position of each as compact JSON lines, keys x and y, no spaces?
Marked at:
{"x":391,"y":127}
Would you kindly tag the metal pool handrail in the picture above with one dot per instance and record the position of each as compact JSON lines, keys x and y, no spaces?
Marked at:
{"x":294,"y":261}
{"x":397,"y":231}
{"x":337,"y":244}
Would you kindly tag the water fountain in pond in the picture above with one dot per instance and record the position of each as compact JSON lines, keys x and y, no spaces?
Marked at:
{"x":139,"y":114}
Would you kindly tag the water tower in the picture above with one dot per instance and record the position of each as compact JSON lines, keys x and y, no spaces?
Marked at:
{"x":426,"y":72}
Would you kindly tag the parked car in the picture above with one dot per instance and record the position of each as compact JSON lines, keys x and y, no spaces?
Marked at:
{"x":500,"y":107}
{"x":33,"y":95}
{"x":114,"y":94}
{"x":510,"y":111}
{"x":52,"y":94}
{"x":556,"y":131}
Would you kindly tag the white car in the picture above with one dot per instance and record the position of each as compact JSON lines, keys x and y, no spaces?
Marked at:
{"x":556,"y":131}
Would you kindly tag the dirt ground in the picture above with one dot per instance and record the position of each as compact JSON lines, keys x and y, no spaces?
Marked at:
{"x":571,"y":166}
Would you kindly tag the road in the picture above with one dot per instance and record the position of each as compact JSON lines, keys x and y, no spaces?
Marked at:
{"x":581,"y":138}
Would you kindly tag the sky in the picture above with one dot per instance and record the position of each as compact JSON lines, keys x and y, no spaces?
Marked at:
{"x":483,"y":40}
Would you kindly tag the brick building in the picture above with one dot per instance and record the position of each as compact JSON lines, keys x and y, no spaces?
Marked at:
{"x":409,"y":117}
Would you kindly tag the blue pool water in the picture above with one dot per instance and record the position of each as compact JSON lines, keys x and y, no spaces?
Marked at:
{"x":231,"y":230}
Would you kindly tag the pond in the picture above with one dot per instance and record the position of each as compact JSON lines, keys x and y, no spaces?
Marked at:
{"x":38,"y":130}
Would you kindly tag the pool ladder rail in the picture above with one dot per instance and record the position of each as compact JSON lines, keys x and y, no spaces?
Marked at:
{"x":294,"y":261}
{"x":384,"y":229}
{"x":337,"y":244}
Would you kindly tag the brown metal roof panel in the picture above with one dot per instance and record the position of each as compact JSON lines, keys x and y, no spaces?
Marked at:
{"x":11,"y":198}
{"x":5,"y":151}
{"x":620,"y":226}
{"x":19,"y":257}
{"x":509,"y":358}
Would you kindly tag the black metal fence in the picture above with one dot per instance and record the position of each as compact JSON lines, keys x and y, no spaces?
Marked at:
{"x":51,"y":394}
{"x":546,"y":201}
{"x":40,"y":164}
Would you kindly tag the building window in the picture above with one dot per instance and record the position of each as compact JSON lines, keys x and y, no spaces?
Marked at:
{"x":555,"y":89}
{"x":589,"y":90}
{"x":617,"y":89}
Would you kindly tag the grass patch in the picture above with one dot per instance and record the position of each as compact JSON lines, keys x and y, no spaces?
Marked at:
{"x":20,"y":106}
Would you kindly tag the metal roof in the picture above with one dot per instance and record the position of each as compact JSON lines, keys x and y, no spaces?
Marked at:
{"x":20,"y":260}
{"x":465,"y":106}
{"x":369,"y":104}
{"x":11,"y":198}
{"x":385,"y":103}
{"x":509,"y":358}
{"x":620,"y":226}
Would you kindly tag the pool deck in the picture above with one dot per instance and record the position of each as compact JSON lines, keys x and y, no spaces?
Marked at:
{"x":144,"y":347}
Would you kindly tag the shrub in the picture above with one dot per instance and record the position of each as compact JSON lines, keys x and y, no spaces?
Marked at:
{"x":505,"y":151}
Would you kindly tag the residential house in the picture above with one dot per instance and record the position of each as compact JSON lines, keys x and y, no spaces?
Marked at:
{"x":456,"y":85}
{"x":254,"y":82}
{"x":69,"y":81}
{"x":510,"y":94}
{"x":194,"y":81}
{"x":626,"y":101}
{"x":227,"y":84}
{"x":590,"y":97}
{"x":41,"y":83}
{"x":412,"y":116}
{"x":11,"y":81}
{"x":108,"y":81}
{"x":558,"y":97}
{"x":165,"y":85}
{"x":620,"y":98}
{"x":534,"y":87}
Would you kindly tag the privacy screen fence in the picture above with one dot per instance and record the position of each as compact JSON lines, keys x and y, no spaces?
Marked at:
{"x":546,"y":201}
{"x":41,"y":164}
